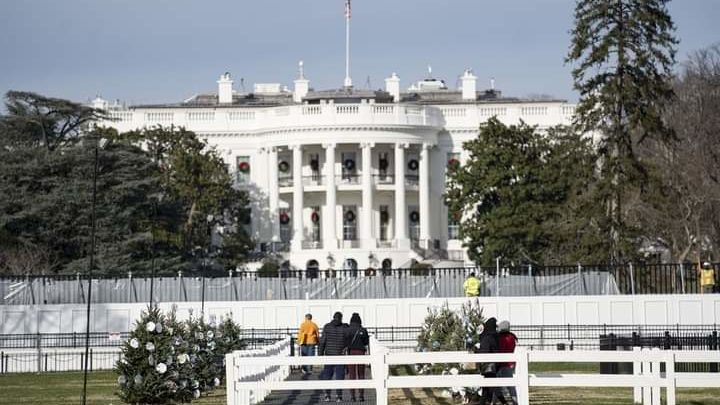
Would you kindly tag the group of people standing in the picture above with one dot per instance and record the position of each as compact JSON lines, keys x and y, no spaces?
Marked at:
{"x":497,"y":338}
{"x":337,"y":339}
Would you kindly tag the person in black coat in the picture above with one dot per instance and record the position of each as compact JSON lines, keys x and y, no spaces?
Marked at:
{"x":358,"y":340}
{"x":333,"y":342}
{"x":489,"y":343}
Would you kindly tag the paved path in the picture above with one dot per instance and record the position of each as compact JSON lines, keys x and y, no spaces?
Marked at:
{"x":303,"y":397}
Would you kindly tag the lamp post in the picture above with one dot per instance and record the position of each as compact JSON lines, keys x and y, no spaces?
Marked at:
{"x":210,"y":219}
{"x":90,"y":269}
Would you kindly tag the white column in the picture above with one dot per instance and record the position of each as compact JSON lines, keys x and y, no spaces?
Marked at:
{"x":298,"y":231}
{"x":330,"y":237}
{"x":274,"y":196}
{"x":424,"y":195}
{"x":400,"y":206}
{"x":367,"y":240}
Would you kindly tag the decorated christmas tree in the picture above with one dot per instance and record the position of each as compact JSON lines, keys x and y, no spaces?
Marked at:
{"x":202,"y":349}
{"x":448,"y":330}
{"x":228,"y":338}
{"x":181,"y":349}
{"x":147,"y":372}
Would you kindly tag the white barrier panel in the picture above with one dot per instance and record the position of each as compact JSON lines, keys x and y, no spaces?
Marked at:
{"x":688,"y":309}
{"x":646,"y":379}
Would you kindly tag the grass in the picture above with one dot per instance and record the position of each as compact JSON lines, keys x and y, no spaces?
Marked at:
{"x":64,"y":388}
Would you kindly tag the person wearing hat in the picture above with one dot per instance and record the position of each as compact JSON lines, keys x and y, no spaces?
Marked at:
{"x":307,"y":338}
{"x":358,"y":340}
{"x":489,"y":343}
{"x":333,"y":342}
{"x":707,"y":278}
{"x":507,"y":341}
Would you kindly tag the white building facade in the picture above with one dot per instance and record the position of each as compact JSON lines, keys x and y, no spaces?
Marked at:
{"x":346,"y":178}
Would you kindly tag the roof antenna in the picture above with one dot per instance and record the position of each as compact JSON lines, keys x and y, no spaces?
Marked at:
{"x":367,"y":83}
{"x":348,"y":80}
{"x":242,"y":84}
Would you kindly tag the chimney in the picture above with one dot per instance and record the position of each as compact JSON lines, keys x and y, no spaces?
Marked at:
{"x":100,"y":103}
{"x":301,"y":84}
{"x":225,"y":91}
{"x":468,"y":85}
{"x":392,"y":86}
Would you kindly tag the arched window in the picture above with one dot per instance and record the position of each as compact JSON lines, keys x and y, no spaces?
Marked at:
{"x":312,"y":268}
{"x":386,"y":267}
{"x":352,"y":266}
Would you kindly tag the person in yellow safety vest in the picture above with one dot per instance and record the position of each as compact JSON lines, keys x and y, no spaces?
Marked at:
{"x":471,"y":286}
{"x":707,"y":278}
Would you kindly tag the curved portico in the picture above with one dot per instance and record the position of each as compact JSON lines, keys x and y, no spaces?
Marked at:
{"x":345,"y":177}
{"x":359,"y":190}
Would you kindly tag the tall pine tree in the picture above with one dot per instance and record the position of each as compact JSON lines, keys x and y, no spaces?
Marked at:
{"x":622,"y":53}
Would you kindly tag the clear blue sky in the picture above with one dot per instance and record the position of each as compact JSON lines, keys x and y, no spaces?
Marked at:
{"x":146,"y":51}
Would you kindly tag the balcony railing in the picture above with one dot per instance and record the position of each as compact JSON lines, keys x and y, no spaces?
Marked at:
{"x":313,"y":180}
{"x":347,"y":179}
{"x":312,"y":244}
{"x":386,"y":244}
{"x":384,"y":179}
{"x":285,"y":181}
{"x":350,"y":244}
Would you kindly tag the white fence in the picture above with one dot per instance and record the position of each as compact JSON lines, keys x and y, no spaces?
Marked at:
{"x":687,"y":309}
{"x":251,"y":375}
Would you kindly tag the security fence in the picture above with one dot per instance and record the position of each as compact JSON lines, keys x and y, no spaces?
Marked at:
{"x":537,"y":337}
{"x":349,"y":284}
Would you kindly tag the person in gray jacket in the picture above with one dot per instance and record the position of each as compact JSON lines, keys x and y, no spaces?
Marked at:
{"x":333,"y":342}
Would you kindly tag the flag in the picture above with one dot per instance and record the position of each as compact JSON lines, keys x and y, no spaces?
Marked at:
{"x":347,"y":8}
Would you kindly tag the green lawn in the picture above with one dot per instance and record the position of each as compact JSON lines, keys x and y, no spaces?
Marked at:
{"x":64,"y":388}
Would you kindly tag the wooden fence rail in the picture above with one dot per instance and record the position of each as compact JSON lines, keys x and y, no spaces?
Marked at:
{"x":253,"y":374}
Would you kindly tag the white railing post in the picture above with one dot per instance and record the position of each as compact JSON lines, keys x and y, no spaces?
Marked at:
{"x":379,"y":371}
{"x":637,"y":370}
{"x":646,"y":392}
{"x":656,"y":375}
{"x":670,"y":377}
{"x":522,"y":376}
{"x":230,"y":377}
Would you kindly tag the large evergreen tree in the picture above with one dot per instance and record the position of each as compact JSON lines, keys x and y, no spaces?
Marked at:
{"x":512,"y":193}
{"x":156,"y":190}
{"x":622,"y":53}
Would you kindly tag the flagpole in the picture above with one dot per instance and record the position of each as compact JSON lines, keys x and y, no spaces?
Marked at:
{"x":348,"y":81}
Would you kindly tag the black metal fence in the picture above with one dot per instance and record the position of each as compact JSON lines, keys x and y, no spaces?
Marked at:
{"x":63,"y":351}
{"x":253,"y":337}
{"x":555,"y":337}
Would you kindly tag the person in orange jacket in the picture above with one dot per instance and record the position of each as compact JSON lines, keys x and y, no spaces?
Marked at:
{"x":307,"y":338}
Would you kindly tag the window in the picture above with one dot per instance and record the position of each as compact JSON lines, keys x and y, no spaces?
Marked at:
{"x":384,"y":221}
{"x":349,"y":166}
{"x":454,"y":225}
{"x":349,"y":222}
{"x":242,"y":172}
{"x":315,"y":219}
{"x":414,"y":222}
{"x":453,"y":160}
{"x":383,"y":165}
{"x":285,"y":226}
{"x":315,"y":167}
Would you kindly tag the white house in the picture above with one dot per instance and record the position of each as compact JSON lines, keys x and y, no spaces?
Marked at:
{"x":346,"y":178}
